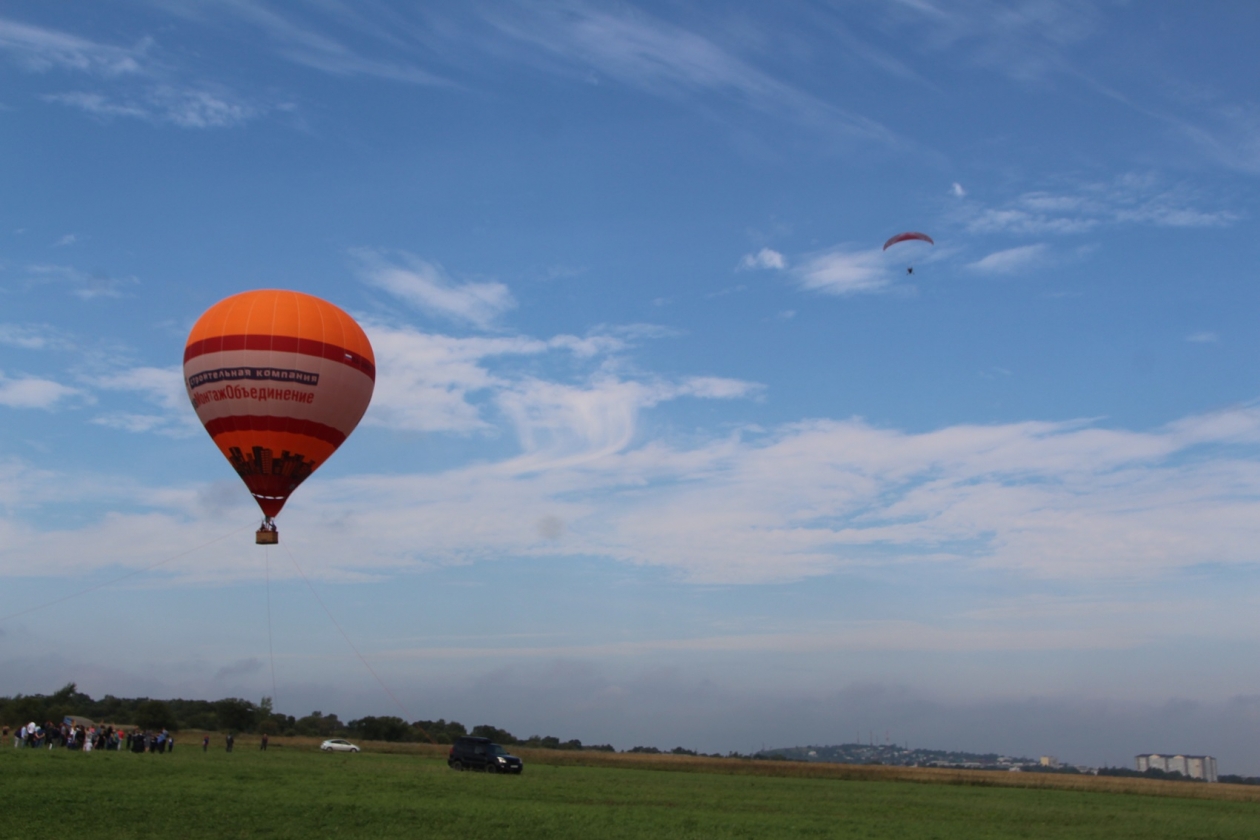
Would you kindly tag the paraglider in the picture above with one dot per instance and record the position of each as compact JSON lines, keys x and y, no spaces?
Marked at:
{"x":279,"y":379}
{"x":908,"y":236}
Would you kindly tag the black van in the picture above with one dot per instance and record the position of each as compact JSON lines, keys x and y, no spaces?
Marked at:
{"x":469,"y":753}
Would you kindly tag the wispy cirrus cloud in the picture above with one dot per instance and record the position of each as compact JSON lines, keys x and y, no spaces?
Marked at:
{"x":186,"y":107}
{"x":82,"y":284}
{"x":37,"y":49}
{"x":586,"y":41}
{"x":317,"y":45}
{"x":426,"y":286}
{"x":130,"y":82}
{"x":641,"y":50}
{"x":97,"y":104}
{"x":1025,"y":41}
{"x":33,"y":337}
{"x":1011,"y":260}
{"x":1128,"y":200}
{"x":1230,"y":132}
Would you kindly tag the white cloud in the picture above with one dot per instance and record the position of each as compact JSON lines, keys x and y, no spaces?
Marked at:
{"x":305,"y":46}
{"x":569,"y":425}
{"x":1066,"y":501}
{"x":193,"y":107}
{"x":844,"y":272}
{"x":33,"y":392}
{"x":1128,"y":200}
{"x":164,"y":388}
{"x":1026,"y":41}
{"x":1011,"y":259}
{"x":32,"y":337}
{"x":1043,"y":500}
{"x":136,"y":84}
{"x":643,"y":51}
{"x":84,"y":285}
{"x":68,"y":239}
{"x":1231,"y":134}
{"x":438,"y":383}
{"x":718,"y":387}
{"x":97,"y":104}
{"x":136,"y":423}
{"x":1203,"y":337}
{"x":765,"y":258}
{"x":425,"y":286}
{"x":424,"y":380}
{"x":39,"y":50}
{"x":186,"y":107}
{"x":957,"y":190}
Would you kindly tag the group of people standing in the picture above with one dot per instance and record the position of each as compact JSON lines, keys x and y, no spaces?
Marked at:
{"x":77,"y":736}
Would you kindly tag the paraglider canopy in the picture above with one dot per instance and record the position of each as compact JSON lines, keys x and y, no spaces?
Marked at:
{"x":906,"y":237}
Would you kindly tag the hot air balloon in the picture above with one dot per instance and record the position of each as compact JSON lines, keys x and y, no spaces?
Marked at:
{"x":907,"y":237}
{"x":279,"y":379}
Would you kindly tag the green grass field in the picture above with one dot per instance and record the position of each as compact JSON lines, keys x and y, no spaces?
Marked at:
{"x":292,"y":792}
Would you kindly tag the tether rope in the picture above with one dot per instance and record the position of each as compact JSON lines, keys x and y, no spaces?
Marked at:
{"x":271,"y":651}
{"x":361,"y":657}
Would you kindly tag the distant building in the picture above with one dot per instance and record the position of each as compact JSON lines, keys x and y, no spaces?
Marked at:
{"x":1049,"y":761}
{"x":1191,"y":766}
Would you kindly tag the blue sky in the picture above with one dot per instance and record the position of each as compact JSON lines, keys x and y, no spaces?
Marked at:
{"x":662,"y":441}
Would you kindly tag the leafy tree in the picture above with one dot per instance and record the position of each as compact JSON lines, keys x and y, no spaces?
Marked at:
{"x":549,"y":742}
{"x":381,"y":728}
{"x":1232,"y":779}
{"x":154,"y":714}
{"x":318,"y":724}
{"x":499,"y":736}
{"x":236,"y":714}
{"x":439,"y":730}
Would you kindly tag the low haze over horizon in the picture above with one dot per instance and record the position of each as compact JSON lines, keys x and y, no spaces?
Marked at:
{"x":664,"y":448}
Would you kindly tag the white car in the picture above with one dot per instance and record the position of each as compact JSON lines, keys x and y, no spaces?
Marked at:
{"x":338,"y":745}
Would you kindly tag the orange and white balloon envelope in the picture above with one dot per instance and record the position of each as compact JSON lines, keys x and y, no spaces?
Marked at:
{"x":279,"y":379}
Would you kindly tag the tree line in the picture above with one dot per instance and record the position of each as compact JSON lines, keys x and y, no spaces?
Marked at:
{"x":234,"y":714}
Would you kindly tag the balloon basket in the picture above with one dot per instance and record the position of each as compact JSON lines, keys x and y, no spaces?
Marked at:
{"x":266,"y":536}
